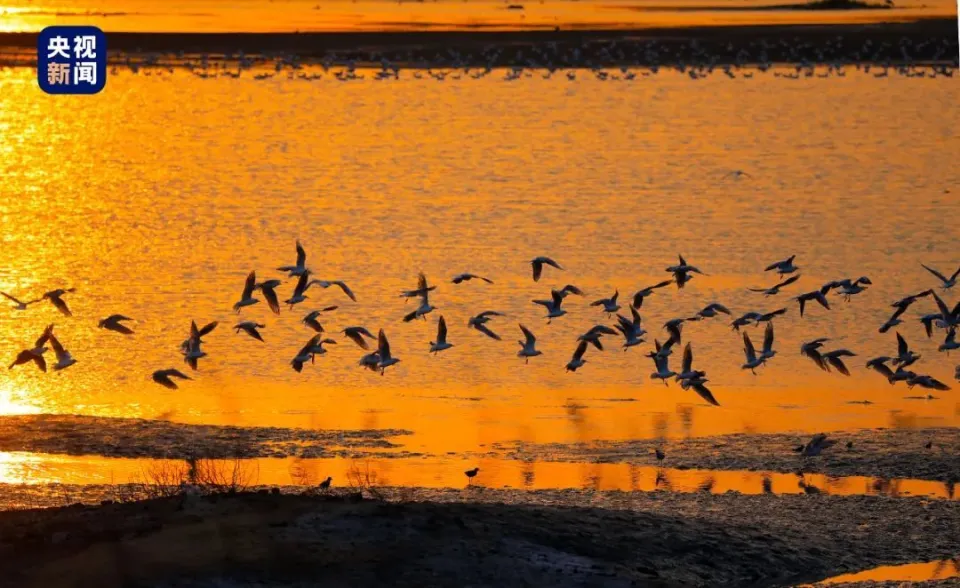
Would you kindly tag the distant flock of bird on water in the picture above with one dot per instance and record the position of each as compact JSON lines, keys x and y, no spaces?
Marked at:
{"x":893,"y":367}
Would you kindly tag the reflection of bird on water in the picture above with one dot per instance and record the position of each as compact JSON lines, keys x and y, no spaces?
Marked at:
{"x":767,"y":484}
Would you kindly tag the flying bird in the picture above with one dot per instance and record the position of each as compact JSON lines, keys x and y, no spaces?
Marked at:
{"x":383,"y":350}
{"x":246,"y":298}
{"x":609,"y":305}
{"x":950,"y":342}
{"x":752,"y":361}
{"x":811,"y":349}
{"x":775,"y":289}
{"x":56,"y":297}
{"x":466,"y":277}
{"x":928,"y":382}
{"x":905,"y":356}
{"x":327,"y":283}
{"x":662,"y":365}
{"x":250,"y":328}
{"x":833,"y":358}
{"x":480,"y":321}
{"x":818,"y":296}
{"x":767,"y":352}
{"x":357,"y":334}
{"x":783,"y":267}
{"x":441,"y":343}
{"x":114,"y":322}
{"x":64,"y":359}
{"x":305,"y":354}
{"x":299,"y":291}
{"x":630,"y":329}
{"x":577,"y":361}
{"x":945,"y":283}
{"x":879,"y":364}
{"x":268,"y":288}
{"x":593,"y":335}
{"x":643,"y":293}
{"x":20,"y":305}
{"x":528,"y":347}
{"x":538,"y":263}
{"x":423,"y":291}
{"x":301,"y":268}
{"x":163,"y":377}
{"x":553,"y":305}
{"x":35,"y":354}
{"x":712,"y":310}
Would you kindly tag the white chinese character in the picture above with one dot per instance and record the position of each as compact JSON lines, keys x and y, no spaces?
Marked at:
{"x":85,"y":71}
{"x":58,"y":46}
{"x":85,"y":47}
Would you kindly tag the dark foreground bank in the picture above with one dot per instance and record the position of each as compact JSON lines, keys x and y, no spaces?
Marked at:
{"x":919,"y":42}
{"x":477,"y":537}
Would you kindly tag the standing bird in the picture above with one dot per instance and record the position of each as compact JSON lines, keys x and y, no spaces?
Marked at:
{"x":811,"y":349}
{"x":833,"y":359}
{"x":269,"y":291}
{"x":528,"y":347}
{"x":64,"y":359}
{"x":905,"y":356}
{"x":325,"y":485}
{"x":114,"y":323}
{"x":246,"y":298}
{"x":645,"y":292}
{"x":357,"y":334}
{"x":945,"y":283}
{"x":327,"y":283}
{"x":20,"y":305}
{"x":35,"y":354}
{"x":783,"y":267}
{"x":609,"y":305}
{"x":301,"y":267}
{"x":466,"y":277}
{"x":423,"y":291}
{"x":250,"y":328}
{"x":577,"y":360}
{"x":471,"y":474}
{"x":479,"y":323}
{"x":819,"y":296}
{"x":299,"y":290}
{"x":383,"y":350}
{"x":775,"y":289}
{"x":56,"y":297}
{"x":553,"y":305}
{"x":538,"y":263}
{"x":441,"y":343}
{"x":162,"y":377}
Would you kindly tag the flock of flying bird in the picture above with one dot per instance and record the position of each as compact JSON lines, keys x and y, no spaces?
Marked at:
{"x":893,"y":367}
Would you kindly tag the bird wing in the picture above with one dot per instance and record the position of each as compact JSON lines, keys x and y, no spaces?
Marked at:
{"x":301,"y":255}
{"x":837,"y":363}
{"x":661,"y":284}
{"x":788,"y":281}
{"x":487,"y":313}
{"x":487,"y":280}
{"x":616,"y":294}
{"x":272,"y":301}
{"x":557,"y":298}
{"x":9,"y":297}
{"x":309,"y":346}
{"x":748,"y":349}
{"x":57,"y":347}
{"x":666,"y":346}
{"x":42,"y":340}
{"x":687,"y":364}
{"x":705,"y":393}
{"x":636,"y":315}
{"x":603,"y":329}
{"x":383,"y":346}
{"x":934,"y":272}
{"x":550,"y":262}
{"x":61,"y":305}
{"x":719,"y":308}
{"x":356,"y":338}
{"x":955,"y":274}
{"x":207,"y":328}
{"x":772,"y":266}
{"x":579,"y":351}
{"x":882,"y":369}
{"x":768,"y":338}
{"x":483,"y":329}
{"x":941,"y":305}
{"x":902,"y":347}
{"x":537,"y":269}
{"x":301,"y":284}
{"x":531,"y":339}
{"x":637,"y":300}
{"x":598,"y":302}
{"x":441,"y":331}
{"x":250,"y":284}
{"x":346,"y":290}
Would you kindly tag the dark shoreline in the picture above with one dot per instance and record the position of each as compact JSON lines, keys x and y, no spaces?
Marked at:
{"x":919,"y":42}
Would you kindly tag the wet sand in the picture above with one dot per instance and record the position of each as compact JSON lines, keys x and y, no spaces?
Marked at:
{"x":932,"y":40}
{"x":478,"y":537}
{"x":880,"y":453}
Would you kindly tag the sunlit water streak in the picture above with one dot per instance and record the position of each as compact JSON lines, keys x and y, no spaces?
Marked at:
{"x":156,"y":198}
{"x":912,"y":572}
